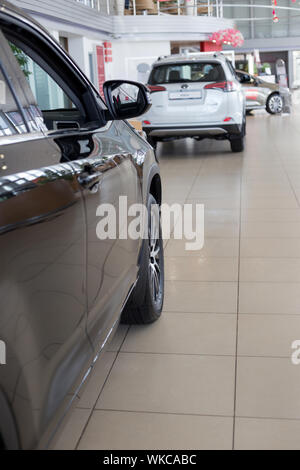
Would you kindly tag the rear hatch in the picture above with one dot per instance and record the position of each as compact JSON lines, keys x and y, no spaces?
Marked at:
{"x":183,"y":93}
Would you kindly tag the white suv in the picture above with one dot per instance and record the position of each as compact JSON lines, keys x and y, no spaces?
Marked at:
{"x":195,"y":96}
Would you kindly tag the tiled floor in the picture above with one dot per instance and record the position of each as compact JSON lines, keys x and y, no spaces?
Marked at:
{"x":215,"y":372}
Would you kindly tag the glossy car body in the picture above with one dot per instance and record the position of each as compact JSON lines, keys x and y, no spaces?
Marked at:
{"x":207,"y":104}
{"x":260,"y":94}
{"x":62,"y":289}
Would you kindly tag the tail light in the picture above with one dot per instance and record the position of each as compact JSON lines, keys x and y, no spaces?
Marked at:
{"x":224,"y":86}
{"x":155,"y":88}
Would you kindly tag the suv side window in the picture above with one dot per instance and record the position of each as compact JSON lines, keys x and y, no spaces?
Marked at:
{"x":52,"y":95}
{"x":231,"y":68}
{"x":48,"y":94}
{"x":47,"y":97}
{"x":11,"y":119}
{"x":12,"y":100}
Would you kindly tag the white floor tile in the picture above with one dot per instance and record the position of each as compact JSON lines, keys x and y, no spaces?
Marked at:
{"x":173,"y":383}
{"x":117,"y":430}
{"x":203,"y":334}
{"x":166,"y":383}
{"x":267,"y":434}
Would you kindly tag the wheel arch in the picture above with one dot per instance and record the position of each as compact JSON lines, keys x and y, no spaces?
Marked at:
{"x":275,"y":92}
{"x":156,"y":188}
{"x":152,"y":186}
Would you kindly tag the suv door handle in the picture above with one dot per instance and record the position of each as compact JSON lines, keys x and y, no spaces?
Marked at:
{"x":90,"y":182}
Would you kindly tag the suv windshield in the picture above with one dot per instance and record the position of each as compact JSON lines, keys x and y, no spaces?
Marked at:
{"x":187,"y":72}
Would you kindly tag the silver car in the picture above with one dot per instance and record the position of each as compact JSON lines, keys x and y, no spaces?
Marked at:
{"x":260,"y":94}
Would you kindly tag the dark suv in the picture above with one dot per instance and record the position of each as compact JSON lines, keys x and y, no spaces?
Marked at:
{"x":64,"y":156}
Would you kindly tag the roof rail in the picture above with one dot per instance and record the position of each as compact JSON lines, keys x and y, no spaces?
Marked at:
{"x":191,"y":55}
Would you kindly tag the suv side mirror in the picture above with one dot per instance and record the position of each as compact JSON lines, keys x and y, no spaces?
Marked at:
{"x":126,"y":99}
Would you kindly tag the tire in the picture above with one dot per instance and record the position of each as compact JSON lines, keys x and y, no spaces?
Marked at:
{"x":237,"y":143}
{"x":274,"y":104}
{"x":146,"y":300}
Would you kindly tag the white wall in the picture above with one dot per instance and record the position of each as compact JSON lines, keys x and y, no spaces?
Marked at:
{"x":295,"y":75}
{"x":128,"y":54}
{"x":78,"y":50}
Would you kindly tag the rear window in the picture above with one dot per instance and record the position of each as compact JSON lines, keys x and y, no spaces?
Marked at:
{"x":187,"y":72}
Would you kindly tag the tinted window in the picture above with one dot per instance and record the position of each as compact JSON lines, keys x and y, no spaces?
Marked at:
{"x":240,"y":76}
{"x":11,"y":118}
{"x":187,"y":72}
{"x":232,"y":70}
{"x":51,"y":105}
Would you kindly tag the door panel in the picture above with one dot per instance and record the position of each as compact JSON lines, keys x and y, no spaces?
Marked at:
{"x":43,"y":255}
{"x":254,"y":96}
{"x":60,"y":286}
{"x":112,"y":263}
{"x":42,"y":280}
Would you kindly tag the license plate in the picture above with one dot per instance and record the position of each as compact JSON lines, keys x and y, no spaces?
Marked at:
{"x":185,"y":95}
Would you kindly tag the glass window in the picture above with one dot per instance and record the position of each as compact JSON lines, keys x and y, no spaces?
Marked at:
{"x":232,"y":69}
{"x":45,"y":103}
{"x":294,"y":25}
{"x":242,"y":12}
{"x":187,"y":72}
{"x":281,"y":29}
{"x":48,"y":94}
{"x":11,"y":120}
{"x":13,"y":112}
{"x":263,"y":20}
{"x":92,"y":68}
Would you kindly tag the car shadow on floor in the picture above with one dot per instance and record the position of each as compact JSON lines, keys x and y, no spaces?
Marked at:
{"x":193,"y":149}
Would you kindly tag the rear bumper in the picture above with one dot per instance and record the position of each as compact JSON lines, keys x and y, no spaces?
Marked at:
{"x":220,"y":130}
